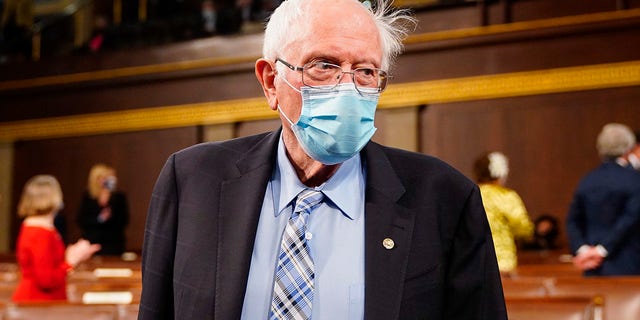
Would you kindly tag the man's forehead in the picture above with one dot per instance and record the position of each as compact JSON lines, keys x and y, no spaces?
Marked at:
{"x":316,"y":28}
{"x":352,"y":10}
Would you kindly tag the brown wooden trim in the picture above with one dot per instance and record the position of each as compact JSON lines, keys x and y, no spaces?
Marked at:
{"x":524,"y":26}
{"x":110,"y":74}
{"x":514,"y":84}
{"x":420,"y":41}
{"x":399,"y":95}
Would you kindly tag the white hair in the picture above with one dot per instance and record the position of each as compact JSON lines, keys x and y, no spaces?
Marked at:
{"x":393,"y":26}
{"x":615,"y":140}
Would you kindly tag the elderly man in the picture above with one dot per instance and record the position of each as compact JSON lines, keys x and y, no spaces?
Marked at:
{"x":314,"y":221}
{"x":604,"y":215}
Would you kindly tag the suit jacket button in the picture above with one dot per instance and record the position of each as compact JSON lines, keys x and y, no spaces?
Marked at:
{"x":388,"y":243}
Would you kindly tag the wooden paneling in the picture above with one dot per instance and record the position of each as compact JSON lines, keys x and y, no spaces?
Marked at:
{"x":447,"y":19}
{"x":549,"y":139}
{"x":535,"y":9}
{"x":494,"y":53}
{"x":207,"y":85}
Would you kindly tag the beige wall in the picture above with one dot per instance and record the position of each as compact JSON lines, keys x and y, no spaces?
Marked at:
{"x":6,"y":165}
{"x":398,"y":128}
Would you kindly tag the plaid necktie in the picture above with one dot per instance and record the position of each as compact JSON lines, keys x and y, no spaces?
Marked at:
{"x":293,"y":285}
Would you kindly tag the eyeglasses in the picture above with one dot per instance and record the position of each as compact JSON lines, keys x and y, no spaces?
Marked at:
{"x":319,"y":73}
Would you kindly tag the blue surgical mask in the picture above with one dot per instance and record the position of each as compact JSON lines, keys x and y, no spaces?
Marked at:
{"x":110,"y":183}
{"x":335,"y":122}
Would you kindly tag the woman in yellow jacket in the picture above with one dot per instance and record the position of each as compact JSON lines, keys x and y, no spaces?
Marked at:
{"x":507,"y":215}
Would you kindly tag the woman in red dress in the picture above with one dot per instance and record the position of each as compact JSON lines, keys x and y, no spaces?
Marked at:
{"x":44,"y":262}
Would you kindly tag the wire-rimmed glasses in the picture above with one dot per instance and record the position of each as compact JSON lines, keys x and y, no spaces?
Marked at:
{"x":321,"y":73}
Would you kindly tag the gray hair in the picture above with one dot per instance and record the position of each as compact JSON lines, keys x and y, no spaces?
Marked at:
{"x":393,"y":26}
{"x":615,"y":140}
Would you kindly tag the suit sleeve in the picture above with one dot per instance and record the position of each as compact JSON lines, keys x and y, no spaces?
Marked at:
{"x":158,"y":249}
{"x":575,"y":224}
{"x":473,"y":289}
{"x":625,"y":224}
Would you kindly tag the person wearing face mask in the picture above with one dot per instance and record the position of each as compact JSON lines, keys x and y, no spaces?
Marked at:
{"x":104,"y":212}
{"x":314,"y":220}
{"x":41,"y":254}
{"x":633,"y":157}
{"x":506,"y":212}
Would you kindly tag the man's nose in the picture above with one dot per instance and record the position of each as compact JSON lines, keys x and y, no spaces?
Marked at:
{"x":341,"y":76}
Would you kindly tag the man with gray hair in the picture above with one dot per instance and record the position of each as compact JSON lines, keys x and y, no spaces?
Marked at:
{"x":604,"y":215}
{"x":314,"y":220}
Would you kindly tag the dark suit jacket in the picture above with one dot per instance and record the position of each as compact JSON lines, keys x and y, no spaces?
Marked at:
{"x":204,"y":213}
{"x":606,"y":210}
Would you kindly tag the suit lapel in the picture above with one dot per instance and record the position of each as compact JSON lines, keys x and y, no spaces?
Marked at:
{"x":385,"y":220}
{"x":240,"y":205}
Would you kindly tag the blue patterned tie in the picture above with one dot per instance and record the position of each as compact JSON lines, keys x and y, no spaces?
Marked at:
{"x":293,"y":285}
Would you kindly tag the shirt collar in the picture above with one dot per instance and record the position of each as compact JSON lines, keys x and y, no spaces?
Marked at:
{"x":621,"y":161}
{"x":344,"y":182}
{"x":634,"y":161}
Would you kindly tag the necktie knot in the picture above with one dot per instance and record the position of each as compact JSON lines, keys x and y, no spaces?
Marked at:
{"x":307,"y":200}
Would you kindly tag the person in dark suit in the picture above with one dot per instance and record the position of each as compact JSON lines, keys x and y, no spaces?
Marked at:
{"x":103,"y":214}
{"x":604,"y":216}
{"x":398,"y":234}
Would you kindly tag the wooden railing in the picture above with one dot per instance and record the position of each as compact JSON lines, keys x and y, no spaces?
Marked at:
{"x":53,"y":12}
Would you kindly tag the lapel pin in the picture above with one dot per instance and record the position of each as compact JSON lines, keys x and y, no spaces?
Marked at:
{"x":388,"y":243}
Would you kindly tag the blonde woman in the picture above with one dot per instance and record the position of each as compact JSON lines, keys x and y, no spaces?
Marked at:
{"x":507,"y":215}
{"x":104,"y":212}
{"x":43,"y":260}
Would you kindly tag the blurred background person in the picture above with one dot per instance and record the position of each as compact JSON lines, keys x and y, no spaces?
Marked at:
{"x":40,"y":252}
{"x":507,"y":215}
{"x":604,"y":215}
{"x":633,"y":157}
{"x":104,"y":212}
{"x":545,"y":234}
{"x":60,"y":222}
{"x":16,"y":22}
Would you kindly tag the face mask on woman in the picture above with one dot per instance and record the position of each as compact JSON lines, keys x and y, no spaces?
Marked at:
{"x":110,"y":183}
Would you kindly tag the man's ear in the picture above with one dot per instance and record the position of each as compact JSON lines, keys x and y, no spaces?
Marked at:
{"x":266,"y":74}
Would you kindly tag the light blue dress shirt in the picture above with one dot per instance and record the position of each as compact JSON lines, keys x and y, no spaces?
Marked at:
{"x":336,"y":230}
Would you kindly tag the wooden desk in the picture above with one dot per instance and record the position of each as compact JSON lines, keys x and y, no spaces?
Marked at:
{"x":621,"y":294}
{"x":68,"y":311}
{"x":555,"y":308}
